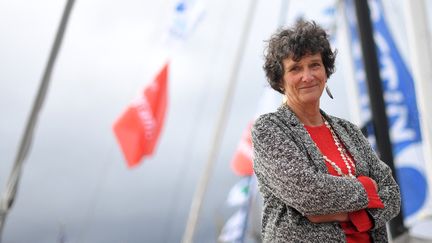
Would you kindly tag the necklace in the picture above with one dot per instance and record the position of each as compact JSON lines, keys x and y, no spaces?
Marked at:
{"x":343,"y":153}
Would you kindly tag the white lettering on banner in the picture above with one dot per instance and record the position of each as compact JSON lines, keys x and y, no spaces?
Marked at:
{"x":360,"y":75}
{"x":399,"y":131}
{"x":374,"y":10}
{"x":388,"y":73}
{"x":388,"y":70}
{"x":153,"y":86}
{"x":401,"y":110}
{"x":396,"y":108}
{"x":393,"y":97}
{"x":381,"y":42}
{"x":147,"y":118}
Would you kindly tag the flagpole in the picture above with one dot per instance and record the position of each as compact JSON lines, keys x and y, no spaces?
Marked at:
{"x":421,"y":61}
{"x":252,"y":183}
{"x":8,"y":196}
{"x":217,"y":136}
{"x":376,"y":97}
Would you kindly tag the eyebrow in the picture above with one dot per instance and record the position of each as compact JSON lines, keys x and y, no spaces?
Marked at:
{"x":316,"y":60}
{"x":296,"y":63}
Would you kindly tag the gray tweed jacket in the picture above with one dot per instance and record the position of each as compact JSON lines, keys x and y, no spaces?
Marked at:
{"x":294,"y":181}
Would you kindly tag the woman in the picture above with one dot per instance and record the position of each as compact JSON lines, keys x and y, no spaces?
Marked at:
{"x":320,"y":179}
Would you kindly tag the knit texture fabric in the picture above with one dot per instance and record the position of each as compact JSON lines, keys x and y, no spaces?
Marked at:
{"x":294,"y":181}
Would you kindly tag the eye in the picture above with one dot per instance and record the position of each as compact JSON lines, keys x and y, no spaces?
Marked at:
{"x":316,"y":64}
{"x":295,"y":69}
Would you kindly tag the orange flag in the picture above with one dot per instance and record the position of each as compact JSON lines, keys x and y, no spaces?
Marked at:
{"x":137,"y":130}
{"x":242,"y":162}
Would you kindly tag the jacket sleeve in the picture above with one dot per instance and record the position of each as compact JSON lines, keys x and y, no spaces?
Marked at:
{"x":285,"y":171}
{"x":388,"y":190}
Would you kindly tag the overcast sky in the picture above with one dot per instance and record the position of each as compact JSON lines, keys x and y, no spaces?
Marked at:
{"x":75,"y":177}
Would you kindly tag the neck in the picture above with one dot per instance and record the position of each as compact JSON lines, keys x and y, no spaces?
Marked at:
{"x":309,"y":115}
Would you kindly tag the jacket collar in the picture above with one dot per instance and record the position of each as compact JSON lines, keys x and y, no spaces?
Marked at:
{"x":302,"y":137}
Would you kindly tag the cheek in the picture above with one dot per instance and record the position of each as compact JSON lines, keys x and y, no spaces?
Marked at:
{"x":291,"y":81}
{"x":323,"y":74}
{"x":286,"y":84}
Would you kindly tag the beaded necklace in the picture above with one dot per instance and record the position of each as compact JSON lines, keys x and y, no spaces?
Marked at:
{"x":343,"y":153}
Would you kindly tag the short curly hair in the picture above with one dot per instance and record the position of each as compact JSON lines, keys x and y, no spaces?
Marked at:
{"x":305,"y":37}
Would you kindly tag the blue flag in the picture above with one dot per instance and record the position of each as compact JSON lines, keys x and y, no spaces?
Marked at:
{"x":401,"y":110}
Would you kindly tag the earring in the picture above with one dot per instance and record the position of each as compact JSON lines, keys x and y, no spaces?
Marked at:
{"x":328,"y":91}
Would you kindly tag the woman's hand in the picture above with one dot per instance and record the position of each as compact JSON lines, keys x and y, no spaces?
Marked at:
{"x":337,"y":217}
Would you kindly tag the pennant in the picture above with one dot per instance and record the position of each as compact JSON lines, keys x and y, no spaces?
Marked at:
{"x":234,"y":227}
{"x":187,"y":14}
{"x":242,"y":163}
{"x":238,"y":194}
{"x":137,"y":130}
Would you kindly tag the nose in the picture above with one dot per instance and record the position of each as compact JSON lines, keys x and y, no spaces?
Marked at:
{"x":307,"y":75}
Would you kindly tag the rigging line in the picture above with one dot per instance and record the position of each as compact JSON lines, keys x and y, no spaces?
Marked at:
{"x":284,"y":8}
{"x":192,"y":138}
{"x":8,"y":197}
{"x":201,"y":187}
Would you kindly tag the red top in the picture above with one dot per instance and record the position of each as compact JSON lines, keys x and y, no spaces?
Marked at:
{"x":357,"y":228}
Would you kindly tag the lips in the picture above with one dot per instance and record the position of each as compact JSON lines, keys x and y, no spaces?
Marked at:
{"x":309,"y":86}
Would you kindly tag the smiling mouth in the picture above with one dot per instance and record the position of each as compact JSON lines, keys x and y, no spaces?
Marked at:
{"x":308,"y":87}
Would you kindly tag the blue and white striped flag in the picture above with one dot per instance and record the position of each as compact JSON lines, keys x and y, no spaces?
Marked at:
{"x":401,"y":109}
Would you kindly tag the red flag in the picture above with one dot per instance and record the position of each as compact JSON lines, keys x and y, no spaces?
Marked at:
{"x":138,"y":128}
{"x":242,"y":163}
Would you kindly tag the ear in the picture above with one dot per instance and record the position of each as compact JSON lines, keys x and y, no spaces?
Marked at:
{"x":282,"y":86}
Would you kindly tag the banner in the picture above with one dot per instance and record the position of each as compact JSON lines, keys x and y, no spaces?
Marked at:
{"x":137,"y":130}
{"x":242,"y":195}
{"x":242,"y":162}
{"x":401,"y":109}
{"x":185,"y":18}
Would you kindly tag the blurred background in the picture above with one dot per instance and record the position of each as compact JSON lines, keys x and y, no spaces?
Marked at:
{"x":75,"y":184}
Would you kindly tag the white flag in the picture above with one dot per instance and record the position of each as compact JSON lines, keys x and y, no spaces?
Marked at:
{"x":185,"y":18}
{"x":238,"y":194}
{"x":233,"y":229}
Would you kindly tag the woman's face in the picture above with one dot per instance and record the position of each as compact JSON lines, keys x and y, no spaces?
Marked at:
{"x":304,"y":81}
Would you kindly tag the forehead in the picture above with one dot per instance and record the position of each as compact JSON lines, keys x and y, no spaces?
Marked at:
{"x":304,"y":59}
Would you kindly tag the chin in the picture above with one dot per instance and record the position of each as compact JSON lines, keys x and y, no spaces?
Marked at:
{"x":311,"y":99}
